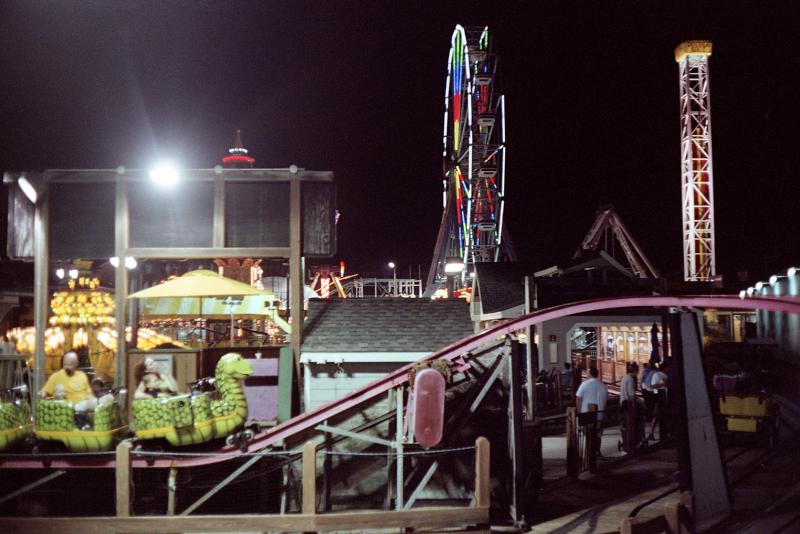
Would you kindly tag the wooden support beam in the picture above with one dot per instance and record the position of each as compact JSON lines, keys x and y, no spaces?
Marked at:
{"x":33,"y":485}
{"x":355,"y":435}
{"x":517,"y":509}
{"x":123,"y":478}
{"x":309,"y":478}
{"x":363,"y":520}
{"x":399,"y":476}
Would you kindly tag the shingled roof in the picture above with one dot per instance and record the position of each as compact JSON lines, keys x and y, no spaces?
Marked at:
{"x":384,"y":325}
{"x":502,"y":285}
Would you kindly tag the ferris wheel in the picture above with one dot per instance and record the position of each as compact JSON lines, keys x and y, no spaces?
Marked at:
{"x":474,"y":157}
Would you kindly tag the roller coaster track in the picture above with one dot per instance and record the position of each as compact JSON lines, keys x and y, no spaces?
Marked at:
{"x":308,"y":420}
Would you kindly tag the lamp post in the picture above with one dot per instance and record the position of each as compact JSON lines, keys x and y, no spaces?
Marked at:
{"x":393,"y":267}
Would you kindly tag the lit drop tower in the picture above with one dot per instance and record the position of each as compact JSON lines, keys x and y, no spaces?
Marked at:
{"x":697,"y":174}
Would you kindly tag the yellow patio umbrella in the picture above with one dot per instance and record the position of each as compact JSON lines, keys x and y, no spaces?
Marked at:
{"x":200,"y":284}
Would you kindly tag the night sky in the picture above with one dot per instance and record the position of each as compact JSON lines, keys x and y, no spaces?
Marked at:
{"x":357,"y":88}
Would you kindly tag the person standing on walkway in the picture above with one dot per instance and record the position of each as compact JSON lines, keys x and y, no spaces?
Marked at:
{"x":647,"y":391}
{"x":629,"y":408}
{"x":593,"y":391}
{"x":658,"y":383}
{"x":627,"y":387}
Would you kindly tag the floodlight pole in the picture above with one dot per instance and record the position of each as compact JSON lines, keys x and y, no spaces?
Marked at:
{"x":41,"y":263}
{"x":121,"y":279}
{"x":296,"y":272}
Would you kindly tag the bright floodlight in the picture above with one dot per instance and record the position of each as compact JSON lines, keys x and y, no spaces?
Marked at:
{"x":742,"y":294}
{"x":759,"y":286}
{"x":773,"y":279}
{"x":60,"y":273}
{"x":165,"y":174}
{"x":751,"y":291}
{"x":73,"y":273}
{"x":391,"y":265}
{"x":792,"y":271}
{"x":28,"y":189}
{"x":453,"y":266}
{"x":114,"y":260}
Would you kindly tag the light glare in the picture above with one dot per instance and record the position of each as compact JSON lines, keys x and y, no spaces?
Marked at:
{"x":165,"y":174}
{"x":453,"y":267}
{"x":28,"y":189}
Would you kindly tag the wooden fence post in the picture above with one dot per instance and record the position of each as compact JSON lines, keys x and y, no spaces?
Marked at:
{"x":309,"y":478}
{"x":573,"y":462}
{"x":680,"y":515}
{"x":627,"y":525}
{"x":482,"y":474}
{"x":123,"y":478}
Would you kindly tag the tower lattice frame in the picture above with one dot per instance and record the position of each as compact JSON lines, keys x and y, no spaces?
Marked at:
{"x":697,"y":175}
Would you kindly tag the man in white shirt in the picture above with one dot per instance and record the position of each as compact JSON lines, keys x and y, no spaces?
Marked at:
{"x":593,"y":391}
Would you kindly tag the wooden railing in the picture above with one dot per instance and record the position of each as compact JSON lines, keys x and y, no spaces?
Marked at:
{"x":476,"y":515}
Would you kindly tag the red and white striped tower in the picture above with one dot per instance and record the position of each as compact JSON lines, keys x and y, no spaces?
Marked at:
{"x":697,"y":176}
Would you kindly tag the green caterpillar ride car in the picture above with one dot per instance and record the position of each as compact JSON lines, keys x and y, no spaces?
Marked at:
{"x":188,"y":419}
